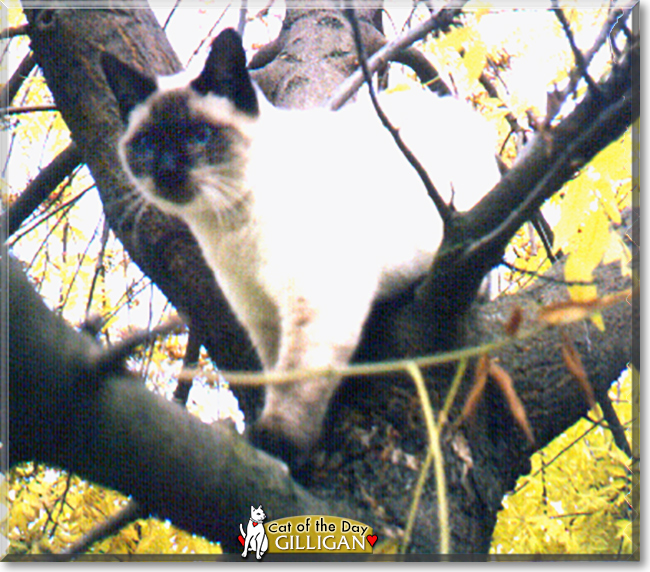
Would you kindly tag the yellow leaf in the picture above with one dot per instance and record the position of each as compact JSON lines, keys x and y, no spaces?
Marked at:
{"x":605,"y":190}
{"x":474,"y":59}
{"x":454,"y":39}
{"x":578,"y":200}
{"x":15,"y":17}
{"x":591,"y":243}
{"x":616,"y":158}
{"x":401,"y":86}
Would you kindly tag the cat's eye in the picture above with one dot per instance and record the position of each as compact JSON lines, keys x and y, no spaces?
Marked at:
{"x":142,"y":154}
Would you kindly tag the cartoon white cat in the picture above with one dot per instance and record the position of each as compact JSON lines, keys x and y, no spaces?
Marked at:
{"x":255,"y":535}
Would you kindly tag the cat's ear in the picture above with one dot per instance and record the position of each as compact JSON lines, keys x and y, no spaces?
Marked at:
{"x":252,"y":508}
{"x":129,"y":86}
{"x":225,"y":73}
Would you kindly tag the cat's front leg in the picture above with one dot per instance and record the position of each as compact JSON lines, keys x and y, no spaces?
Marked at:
{"x":314,"y":337}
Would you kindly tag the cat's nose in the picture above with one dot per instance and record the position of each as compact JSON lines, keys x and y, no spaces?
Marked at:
{"x":171,"y":177}
{"x":170,"y":170}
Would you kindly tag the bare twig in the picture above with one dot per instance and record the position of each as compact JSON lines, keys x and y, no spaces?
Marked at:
{"x":614,"y":423}
{"x":190,"y":362}
{"x":609,"y":29}
{"x":112,"y":358}
{"x":243,"y":11}
{"x":99,"y":266}
{"x":11,"y":88}
{"x":208,"y":35}
{"x":169,"y":16}
{"x":61,"y":501}
{"x":8,"y":33}
{"x":110,"y":526}
{"x":442,"y":207}
{"x":549,"y":279}
{"x":81,"y":262}
{"x":577,"y":54}
{"x":27,"y":109}
{"x":63,"y":209}
{"x":40,"y":188}
{"x":440,"y":20}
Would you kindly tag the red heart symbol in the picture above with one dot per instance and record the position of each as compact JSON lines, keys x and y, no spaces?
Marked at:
{"x":241,"y":539}
{"x":372,"y":538}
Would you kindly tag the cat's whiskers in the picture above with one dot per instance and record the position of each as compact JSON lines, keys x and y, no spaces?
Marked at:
{"x":144,"y":208}
{"x":222,"y":187}
{"x":127,"y":203}
{"x":137,"y":205}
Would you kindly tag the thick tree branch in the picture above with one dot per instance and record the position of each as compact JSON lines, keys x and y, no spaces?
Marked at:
{"x":107,"y":427}
{"x":479,"y":238}
{"x":163,"y":247}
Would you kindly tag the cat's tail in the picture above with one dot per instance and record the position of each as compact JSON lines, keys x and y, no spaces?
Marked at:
{"x":242,"y":530}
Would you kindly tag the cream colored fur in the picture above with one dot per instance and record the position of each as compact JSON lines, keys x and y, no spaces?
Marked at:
{"x":321,"y":215}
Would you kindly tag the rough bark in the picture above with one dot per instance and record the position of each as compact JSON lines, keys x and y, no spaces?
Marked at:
{"x":177,"y":468}
{"x":67,"y":44}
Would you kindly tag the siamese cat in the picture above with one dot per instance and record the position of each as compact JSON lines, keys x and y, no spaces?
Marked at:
{"x":305,"y":217}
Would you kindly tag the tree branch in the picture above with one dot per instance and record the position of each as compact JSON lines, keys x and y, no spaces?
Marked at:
{"x":477,"y":239}
{"x":442,"y":207}
{"x":8,"y":33}
{"x":26,"y":109}
{"x":190,"y":361}
{"x":108,"y":428}
{"x":40,"y":188}
{"x":609,"y":30}
{"x":112,"y":525}
{"x":427,"y":74}
{"x":11,"y":88}
{"x":440,"y":21}
{"x":581,"y":64}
